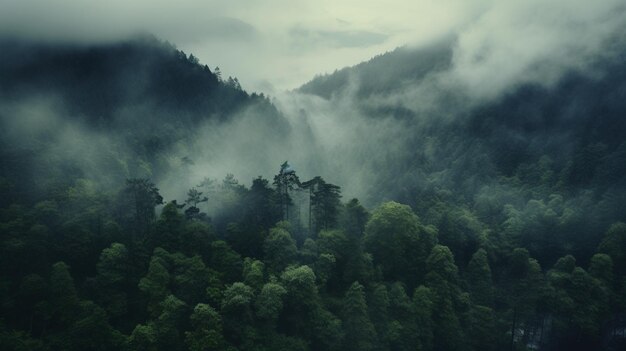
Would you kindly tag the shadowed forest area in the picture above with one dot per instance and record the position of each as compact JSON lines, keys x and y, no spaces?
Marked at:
{"x":480,"y":224}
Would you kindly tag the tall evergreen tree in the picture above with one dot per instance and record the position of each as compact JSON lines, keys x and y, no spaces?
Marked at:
{"x":360,"y":332}
{"x":285,"y":181}
{"x":479,"y":279}
{"x":442,"y":280}
{"x":324,"y":204}
{"x":144,"y":197}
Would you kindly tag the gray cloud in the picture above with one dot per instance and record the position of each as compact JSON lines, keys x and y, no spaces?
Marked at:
{"x":286,"y":42}
{"x":532,"y":41}
{"x":304,"y":39}
{"x":279,"y":44}
{"x":251,"y":40}
{"x":498,"y":46}
{"x":201,"y":29}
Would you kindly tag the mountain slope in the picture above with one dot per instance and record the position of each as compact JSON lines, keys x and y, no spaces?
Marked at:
{"x":108,"y":111}
{"x":99,"y":81}
{"x":384,"y":74}
{"x":531,"y":144}
{"x":512,"y":238}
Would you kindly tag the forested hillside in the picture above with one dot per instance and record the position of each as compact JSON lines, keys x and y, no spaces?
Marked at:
{"x":98,"y":82}
{"x":487,"y":224}
{"x":107,"y":112}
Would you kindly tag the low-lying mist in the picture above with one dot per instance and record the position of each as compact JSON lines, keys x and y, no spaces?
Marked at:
{"x":422,"y":126}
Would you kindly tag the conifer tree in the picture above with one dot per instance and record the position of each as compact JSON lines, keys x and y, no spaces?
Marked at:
{"x":360,"y":332}
{"x":442,"y":280}
{"x":479,"y":279}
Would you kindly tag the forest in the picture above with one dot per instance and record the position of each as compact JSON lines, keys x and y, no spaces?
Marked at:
{"x":499,"y":227}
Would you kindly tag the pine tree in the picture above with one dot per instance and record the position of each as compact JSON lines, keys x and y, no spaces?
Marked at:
{"x":285,"y":181}
{"x":442,"y":280}
{"x":360,"y":332}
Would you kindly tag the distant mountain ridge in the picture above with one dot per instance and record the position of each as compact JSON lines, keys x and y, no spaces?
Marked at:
{"x":385,"y":73}
{"x":533,"y":142}
{"x":113,"y":110}
{"x":584,"y":108}
{"x":98,"y":81}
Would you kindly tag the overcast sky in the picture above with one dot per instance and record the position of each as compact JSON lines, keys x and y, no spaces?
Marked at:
{"x":280,"y":44}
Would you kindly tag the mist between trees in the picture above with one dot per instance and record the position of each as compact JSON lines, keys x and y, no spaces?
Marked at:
{"x":484,"y":222}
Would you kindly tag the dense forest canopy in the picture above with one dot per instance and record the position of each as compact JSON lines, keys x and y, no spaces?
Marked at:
{"x":484,"y":223}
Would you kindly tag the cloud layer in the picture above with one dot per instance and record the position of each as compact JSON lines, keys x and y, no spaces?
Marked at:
{"x":268,"y":43}
{"x":534,"y":41}
{"x":277,"y":44}
{"x":281,"y":44}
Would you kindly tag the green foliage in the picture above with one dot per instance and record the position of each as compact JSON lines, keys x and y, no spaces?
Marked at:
{"x":225,"y":261}
{"x":274,"y":301}
{"x":360,"y":282}
{"x":155,"y":285}
{"x":143,"y":338}
{"x":194,"y":197}
{"x":440,"y":262}
{"x":404,"y":333}
{"x":335,"y":253}
{"x":461,"y":231}
{"x":424,"y":309}
{"x":309,"y":251}
{"x":506,"y":186}
{"x":480,"y":280}
{"x":253,"y":273}
{"x":236,"y":309}
{"x":360,"y":332}
{"x":397,"y":241}
{"x":142,"y":196}
{"x":482,"y":328}
{"x":206,"y":334}
{"x":19,"y":340}
{"x":285,"y":181}
{"x":269,"y":303}
{"x":333,"y":242}
{"x":300,"y":285}
{"x":93,"y":332}
{"x":328,"y":333}
{"x":168,"y":228}
{"x":112,"y":279}
{"x":354,"y":219}
{"x":324,"y":204}
{"x":279,"y":250}
{"x":63,"y":295}
{"x":580,"y":302}
{"x":113,"y":264}
{"x":442,"y":280}
{"x":301,"y":300}
{"x":168,"y":336}
{"x":614,"y":245}
{"x":601,"y":268}
{"x":325,"y":268}
{"x":378,"y":308}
